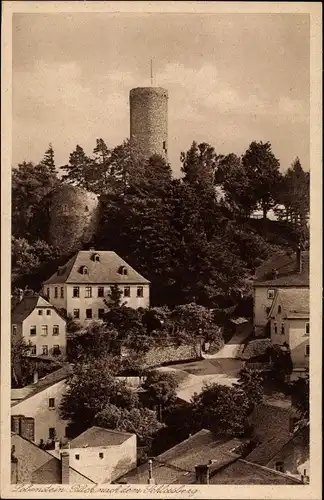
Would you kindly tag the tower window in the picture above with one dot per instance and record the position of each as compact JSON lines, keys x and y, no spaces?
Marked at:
{"x":279,"y":309}
{"x":164,"y":146}
{"x":86,"y":208}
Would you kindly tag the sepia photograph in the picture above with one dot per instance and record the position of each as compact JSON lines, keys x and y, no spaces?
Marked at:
{"x":160,"y":322}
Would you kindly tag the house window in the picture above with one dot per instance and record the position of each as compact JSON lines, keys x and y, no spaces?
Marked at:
{"x":62,"y":292}
{"x":101,"y":313}
{"x":51,"y":433}
{"x":40,"y":312}
{"x":51,"y":403}
{"x":307,"y":350}
{"x":88,"y":313}
{"x":56,"y":330}
{"x":48,"y":293}
{"x":275,"y":328}
{"x":77,"y":456}
{"x":48,"y":312}
{"x":280,"y":466}
{"x":55,"y":293}
{"x":76,"y":291}
{"x":56,"y":350}
{"x":101,"y":455}
{"x":88,"y":292}
{"x":76,"y":313}
{"x":139,"y":291}
{"x":127,"y":291}
{"x":14,"y":329}
{"x":282,"y":328}
{"x":307,"y":329}
{"x":32,"y":330}
{"x":45,"y":350}
{"x":32,"y":350}
{"x":100,"y":291}
{"x":279,"y":309}
{"x":271,"y":294}
{"x":44,"y":331}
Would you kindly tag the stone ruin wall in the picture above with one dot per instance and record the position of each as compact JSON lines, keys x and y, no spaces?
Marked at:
{"x":74,"y":217}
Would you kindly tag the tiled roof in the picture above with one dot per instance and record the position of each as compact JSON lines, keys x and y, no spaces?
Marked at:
{"x":177,"y":465}
{"x":98,"y":436}
{"x":47,"y":381}
{"x":294,"y":302}
{"x":26,"y":306}
{"x":286,"y":266}
{"x":244,"y":472}
{"x":106,"y":270}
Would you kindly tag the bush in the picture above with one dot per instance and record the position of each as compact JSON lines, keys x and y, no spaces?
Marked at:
{"x":255,"y":348}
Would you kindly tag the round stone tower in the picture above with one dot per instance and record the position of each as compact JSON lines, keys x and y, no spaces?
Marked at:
{"x":149,"y":121}
{"x":74,"y":217}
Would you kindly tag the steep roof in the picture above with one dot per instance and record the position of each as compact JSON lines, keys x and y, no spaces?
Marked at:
{"x":177,"y":465}
{"x":286,"y":267}
{"x":106,"y":270}
{"x":98,"y":436}
{"x":26,"y":306}
{"x":47,"y":381}
{"x":294,"y":302}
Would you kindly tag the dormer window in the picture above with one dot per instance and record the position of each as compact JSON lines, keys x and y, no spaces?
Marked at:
{"x":84,"y":270}
{"x":96,"y":257}
{"x":279,"y":309}
{"x":123,"y":270}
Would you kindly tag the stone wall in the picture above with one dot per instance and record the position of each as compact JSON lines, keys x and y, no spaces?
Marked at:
{"x":171,"y":353}
{"x":149,"y":121}
{"x":74,"y":218}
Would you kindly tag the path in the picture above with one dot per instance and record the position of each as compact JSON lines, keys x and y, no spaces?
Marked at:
{"x":232,"y":349}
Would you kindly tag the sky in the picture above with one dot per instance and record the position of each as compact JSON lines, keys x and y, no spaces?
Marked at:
{"x":232,"y":79}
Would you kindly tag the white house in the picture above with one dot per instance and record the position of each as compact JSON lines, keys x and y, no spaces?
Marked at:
{"x":38,"y":408}
{"x":38,"y":322}
{"x":289,"y":324}
{"x":82,"y":285}
{"x":289,"y":271}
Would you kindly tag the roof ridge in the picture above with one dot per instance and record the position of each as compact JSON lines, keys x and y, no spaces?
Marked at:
{"x":272,"y":471}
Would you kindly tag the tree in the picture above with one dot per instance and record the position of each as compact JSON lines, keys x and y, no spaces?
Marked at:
{"x":262,"y":169}
{"x":48,"y":160}
{"x":79,"y":170}
{"x":234,"y":180}
{"x":96,"y":340}
{"x":300,"y":396}
{"x":221,"y":409}
{"x":115,"y":296}
{"x":251,"y":383}
{"x":91,"y":386}
{"x":31,"y":184}
{"x":140,"y":421}
{"x":29,"y":261}
{"x":282,"y":365}
{"x":199,"y":164}
{"x":160,"y":389}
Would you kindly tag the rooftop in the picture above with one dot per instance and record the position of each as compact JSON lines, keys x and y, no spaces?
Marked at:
{"x":286,"y":266}
{"x":26,"y":306}
{"x":102,"y":267}
{"x":294,"y":302}
{"x":43,"y":383}
{"x":98,"y":436}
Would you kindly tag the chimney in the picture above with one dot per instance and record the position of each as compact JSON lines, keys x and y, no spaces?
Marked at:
{"x":35,"y":377}
{"x":150,"y":478}
{"x":65,"y":467}
{"x":202,"y":474}
{"x":299,"y":259}
{"x":27,"y":428}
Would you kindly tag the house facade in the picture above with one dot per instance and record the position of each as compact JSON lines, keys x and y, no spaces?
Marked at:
{"x":84,"y":283}
{"x":290,"y":324}
{"x":38,"y":322}
{"x":288,"y":271}
{"x":41,"y":408}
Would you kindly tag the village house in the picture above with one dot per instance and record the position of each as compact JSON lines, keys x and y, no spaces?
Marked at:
{"x":83,"y":284}
{"x":289,"y":271}
{"x":96,"y":456}
{"x":290,"y":326}
{"x":205,"y":459}
{"x":35,"y":408}
{"x":38,"y":322}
